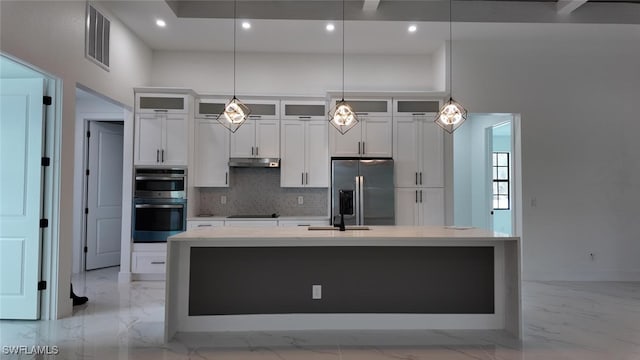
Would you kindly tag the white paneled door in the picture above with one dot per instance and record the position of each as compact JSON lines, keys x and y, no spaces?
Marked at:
{"x":104,"y":195}
{"x":21,"y":149}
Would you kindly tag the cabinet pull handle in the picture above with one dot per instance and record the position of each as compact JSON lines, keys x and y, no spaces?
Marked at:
{"x":252,"y":150}
{"x":204,"y":225}
{"x":420,"y":177}
{"x":256,"y":151}
{"x":307,"y":178}
{"x":160,"y":110}
{"x":415,"y":114}
{"x":420,"y":195}
{"x":358,"y":147}
{"x":416,"y":178}
{"x":416,"y":196}
{"x":255,"y":116}
{"x":304,"y":117}
{"x":302,"y":179}
{"x":157,"y":262}
{"x":362,"y":113}
{"x":226,"y":178}
{"x":157,"y":155}
{"x":162,"y":155}
{"x":363,"y":148}
{"x":210,"y":115}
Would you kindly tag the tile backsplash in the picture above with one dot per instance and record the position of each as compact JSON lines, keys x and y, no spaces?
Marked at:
{"x":258,"y":191}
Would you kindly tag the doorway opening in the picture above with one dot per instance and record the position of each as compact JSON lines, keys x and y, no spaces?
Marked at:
{"x":487,"y":173}
{"x":100,"y":166}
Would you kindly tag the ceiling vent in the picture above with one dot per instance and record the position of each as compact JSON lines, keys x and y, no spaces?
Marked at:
{"x":97,"y":37}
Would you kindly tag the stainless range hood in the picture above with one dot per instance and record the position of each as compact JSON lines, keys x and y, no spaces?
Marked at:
{"x":254,"y":162}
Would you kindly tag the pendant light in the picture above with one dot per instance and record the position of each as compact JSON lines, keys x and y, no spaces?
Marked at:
{"x":342,"y":116}
{"x":235,"y":112}
{"x":451,"y":114}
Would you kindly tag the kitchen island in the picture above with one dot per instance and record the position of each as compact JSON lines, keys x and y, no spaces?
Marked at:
{"x":387,"y":277}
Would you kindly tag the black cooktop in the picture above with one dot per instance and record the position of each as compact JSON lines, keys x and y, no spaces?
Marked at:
{"x":254,"y":216}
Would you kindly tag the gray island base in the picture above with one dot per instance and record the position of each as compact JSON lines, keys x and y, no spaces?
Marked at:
{"x":385,"y":278}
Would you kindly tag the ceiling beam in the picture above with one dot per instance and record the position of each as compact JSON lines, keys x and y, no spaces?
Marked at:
{"x":566,"y":7}
{"x":370,"y":5}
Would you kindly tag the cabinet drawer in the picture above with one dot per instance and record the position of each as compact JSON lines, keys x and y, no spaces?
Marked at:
{"x":200,"y":224}
{"x":209,"y":108}
{"x":303,"y":110}
{"x":416,"y":107}
{"x":370,"y":107}
{"x":163,"y":103}
{"x":148,"y":262}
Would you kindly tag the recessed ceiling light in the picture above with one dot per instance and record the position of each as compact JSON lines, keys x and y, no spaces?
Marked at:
{"x":161,"y":23}
{"x":331,"y":27}
{"x":413,"y":28}
{"x":246,"y":25}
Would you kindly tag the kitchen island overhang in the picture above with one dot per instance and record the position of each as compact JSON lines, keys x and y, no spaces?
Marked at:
{"x":388,"y":277}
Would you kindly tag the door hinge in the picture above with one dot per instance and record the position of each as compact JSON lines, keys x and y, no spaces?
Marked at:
{"x":44,"y":223}
{"x":88,"y":133}
{"x":86,"y":210}
{"x":47,"y":100}
{"x":86,"y":249}
{"x":45,"y":161}
{"x":42,"y":285}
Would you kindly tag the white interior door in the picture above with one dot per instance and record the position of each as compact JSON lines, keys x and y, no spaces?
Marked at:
{"x":21,"y":147}
{"x":104,"y":195}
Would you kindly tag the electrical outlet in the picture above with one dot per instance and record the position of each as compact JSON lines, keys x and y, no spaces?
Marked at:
{"x":316,"y":292}
{"x":300,"y":200}
{"x":223,"y":199}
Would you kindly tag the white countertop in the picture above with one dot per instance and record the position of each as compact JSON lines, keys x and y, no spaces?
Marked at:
{"x":301,"y":236}
{"x":287,"y":218}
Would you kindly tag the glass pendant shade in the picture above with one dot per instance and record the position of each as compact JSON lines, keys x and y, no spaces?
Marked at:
{"x":234,"y":115}
{"x":451,"y":116}
{"x":342,"y":117}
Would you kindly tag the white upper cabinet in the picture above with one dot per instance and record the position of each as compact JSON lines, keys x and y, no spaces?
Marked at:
{"x":259,"y":136}
{"x":304,"y":151}
{"x":211,"y":154}
{"x":256,"y":138}
{"x":371,"y":137}
{"x":161,"y":139}
{"x":209,"y":108}
{"x":162,"y":103}
{"x":303,"y":110}
{"x":418,"y":151}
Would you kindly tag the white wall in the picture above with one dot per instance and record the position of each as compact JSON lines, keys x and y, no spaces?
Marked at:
{"x":290,"y":74}
{"x":50,"y":36}
{"x":577,"y":97}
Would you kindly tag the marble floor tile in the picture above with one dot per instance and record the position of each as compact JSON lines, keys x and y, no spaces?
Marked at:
{"x":562,"y":321}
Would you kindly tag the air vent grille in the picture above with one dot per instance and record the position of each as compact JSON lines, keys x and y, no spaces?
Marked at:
{"x":97,"y":37}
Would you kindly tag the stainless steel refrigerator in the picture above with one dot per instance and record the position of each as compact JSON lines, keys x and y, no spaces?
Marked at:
{"x":368,"y":186}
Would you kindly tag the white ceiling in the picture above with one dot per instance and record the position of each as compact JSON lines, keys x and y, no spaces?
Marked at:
{"x":362,"y":36}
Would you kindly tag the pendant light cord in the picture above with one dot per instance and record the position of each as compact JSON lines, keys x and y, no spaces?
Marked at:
{"x":450,"y":53}
{"x":235,"y":6}
{"x":343,"y":31}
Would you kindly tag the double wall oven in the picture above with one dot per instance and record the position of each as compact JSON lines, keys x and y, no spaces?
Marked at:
{"x":159,"y":204}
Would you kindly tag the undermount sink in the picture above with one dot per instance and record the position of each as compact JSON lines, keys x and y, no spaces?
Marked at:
{"x":347,"y":227}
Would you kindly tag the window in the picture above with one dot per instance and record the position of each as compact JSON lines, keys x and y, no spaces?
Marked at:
{"x":501,"y":196}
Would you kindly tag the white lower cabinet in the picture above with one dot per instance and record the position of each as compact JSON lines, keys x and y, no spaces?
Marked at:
{"x":199,"y":224}
{"x":292,"y":223}
{"x":251,"y":223}
{"x":420,"y":206}
{"x":148,"y":262}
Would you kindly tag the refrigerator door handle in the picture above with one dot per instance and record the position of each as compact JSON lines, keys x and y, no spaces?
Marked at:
{"x":361,"y":203}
